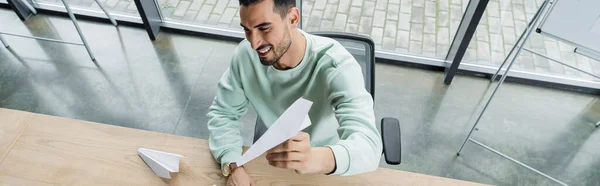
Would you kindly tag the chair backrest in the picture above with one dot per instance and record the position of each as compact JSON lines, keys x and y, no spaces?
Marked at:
{"x":363,"y":50}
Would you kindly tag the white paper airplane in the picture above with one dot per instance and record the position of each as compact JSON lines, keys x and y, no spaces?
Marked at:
{"x":292,"y":121}
{"x":162,"y":163}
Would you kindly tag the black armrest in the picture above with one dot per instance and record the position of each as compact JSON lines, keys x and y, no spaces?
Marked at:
{"x":392,"y":146}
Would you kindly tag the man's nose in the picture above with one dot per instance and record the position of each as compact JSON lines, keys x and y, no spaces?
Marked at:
{"x":257,"y":41}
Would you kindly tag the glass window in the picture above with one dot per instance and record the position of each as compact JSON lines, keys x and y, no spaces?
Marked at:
{"x":124,"y":7}
{"x":501,"y":26}
{"x":216,"y":13}
{"x":417,"y":27}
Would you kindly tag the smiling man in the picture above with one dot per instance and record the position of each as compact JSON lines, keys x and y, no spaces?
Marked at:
{"x":277,"y":64}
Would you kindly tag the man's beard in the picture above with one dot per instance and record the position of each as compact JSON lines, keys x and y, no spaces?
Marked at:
{"x":280,"y":50}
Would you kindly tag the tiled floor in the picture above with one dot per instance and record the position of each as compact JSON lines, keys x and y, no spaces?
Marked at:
{"x":167,"y":86}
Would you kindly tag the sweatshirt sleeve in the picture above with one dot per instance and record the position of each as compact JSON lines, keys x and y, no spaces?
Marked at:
{"x":229,"y":105}
{"x":359,"y":149}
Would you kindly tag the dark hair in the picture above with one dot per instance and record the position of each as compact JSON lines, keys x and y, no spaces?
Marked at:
{"x":281,"y":6}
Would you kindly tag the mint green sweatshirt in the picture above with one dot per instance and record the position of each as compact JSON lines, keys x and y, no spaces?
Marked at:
{"x":342,"y":112}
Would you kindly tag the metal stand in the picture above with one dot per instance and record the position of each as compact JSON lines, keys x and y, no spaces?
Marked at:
{"x":3,"y":42}
{"x":75,"y":23}
{"x":562,"y":63}
{"x":519,"y":46}
{"x":78,"y":30}
{"x":29,"y":7}
{"x":112,"y":20}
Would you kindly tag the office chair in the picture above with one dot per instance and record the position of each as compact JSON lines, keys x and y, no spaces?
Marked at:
{"x":363,"y":50}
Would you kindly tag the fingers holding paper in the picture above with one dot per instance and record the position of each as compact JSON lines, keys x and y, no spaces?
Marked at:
{"x":297,"y":154}
{"x":286,"y":156}
{"x":291,"y":154}
{"x":299,"y":143}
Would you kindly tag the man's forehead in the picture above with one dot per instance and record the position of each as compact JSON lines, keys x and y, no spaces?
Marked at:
{"x":253,"y":15}
{"x":257,"y":8}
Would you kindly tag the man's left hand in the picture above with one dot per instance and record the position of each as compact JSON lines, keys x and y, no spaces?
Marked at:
{"x":296,"y":153}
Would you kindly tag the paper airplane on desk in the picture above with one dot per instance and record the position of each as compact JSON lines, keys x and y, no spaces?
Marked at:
{"x":162,"y":163}
{"x":292,"y":121}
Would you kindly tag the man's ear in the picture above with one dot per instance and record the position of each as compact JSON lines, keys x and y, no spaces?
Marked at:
{"x":293,"y":16}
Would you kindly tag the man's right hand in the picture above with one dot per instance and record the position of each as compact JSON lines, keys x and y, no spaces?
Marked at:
{"x":239,"y":177}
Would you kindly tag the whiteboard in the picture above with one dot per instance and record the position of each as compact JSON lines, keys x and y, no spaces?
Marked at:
{"x":576,"y":22}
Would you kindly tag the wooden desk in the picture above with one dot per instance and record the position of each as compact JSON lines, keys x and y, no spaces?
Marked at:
{"x":12,"y":125}
{"x":60,"y":151}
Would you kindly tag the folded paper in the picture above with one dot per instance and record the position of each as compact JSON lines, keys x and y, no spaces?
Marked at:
{"x":162,"y":163}
{"x":292,"y":121}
